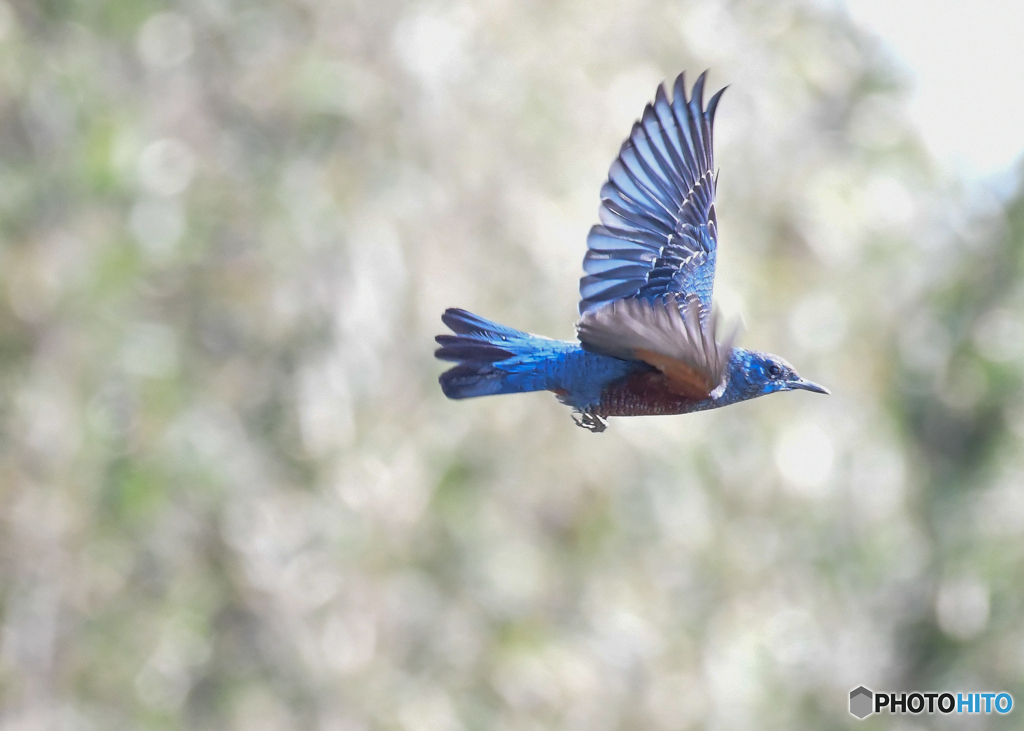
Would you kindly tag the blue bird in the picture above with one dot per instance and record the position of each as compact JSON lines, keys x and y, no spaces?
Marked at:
{"x":647,"y":336}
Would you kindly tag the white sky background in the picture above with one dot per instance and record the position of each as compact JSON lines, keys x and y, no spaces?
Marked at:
{"x":966,"y":59}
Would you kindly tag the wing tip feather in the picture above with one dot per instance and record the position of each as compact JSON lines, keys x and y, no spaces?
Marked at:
{"x":672,"y":139}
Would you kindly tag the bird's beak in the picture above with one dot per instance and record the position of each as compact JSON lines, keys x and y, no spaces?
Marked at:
{"x":806,"y":385}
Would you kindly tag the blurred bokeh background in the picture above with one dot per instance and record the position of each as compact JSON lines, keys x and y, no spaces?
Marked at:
{"x":232,"y":495}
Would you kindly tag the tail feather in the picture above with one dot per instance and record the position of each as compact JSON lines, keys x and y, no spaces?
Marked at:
{"x":491,"y":358}
{"x":469,"y":380}
{"x":456,"y":348}
{"x":466,"y":323}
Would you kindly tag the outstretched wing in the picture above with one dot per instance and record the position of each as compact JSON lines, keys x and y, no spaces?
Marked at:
{"x":658,"y":233}
{"x":666,"y":334}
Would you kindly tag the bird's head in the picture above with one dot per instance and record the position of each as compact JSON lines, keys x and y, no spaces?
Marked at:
{"x":769,"y":373}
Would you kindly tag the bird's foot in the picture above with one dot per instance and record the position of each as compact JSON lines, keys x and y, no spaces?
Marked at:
{"x":591,"y":422}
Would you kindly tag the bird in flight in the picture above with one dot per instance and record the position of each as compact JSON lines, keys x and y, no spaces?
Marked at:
{"x":648,"y":340}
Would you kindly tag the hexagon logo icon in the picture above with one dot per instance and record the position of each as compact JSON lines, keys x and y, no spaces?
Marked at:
{"x":860,"y":702}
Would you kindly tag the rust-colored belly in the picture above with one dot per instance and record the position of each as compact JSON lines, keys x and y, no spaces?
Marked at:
{"x":644,"y":394}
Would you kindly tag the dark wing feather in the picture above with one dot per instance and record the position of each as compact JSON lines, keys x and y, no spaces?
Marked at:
{"x":667,"y":335}
{"x":658,"y":233}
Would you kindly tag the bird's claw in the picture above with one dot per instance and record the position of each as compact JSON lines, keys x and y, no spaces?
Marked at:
{"x":590,"y":422}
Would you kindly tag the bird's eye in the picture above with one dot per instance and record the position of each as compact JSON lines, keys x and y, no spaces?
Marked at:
{"x":774,"y":371}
